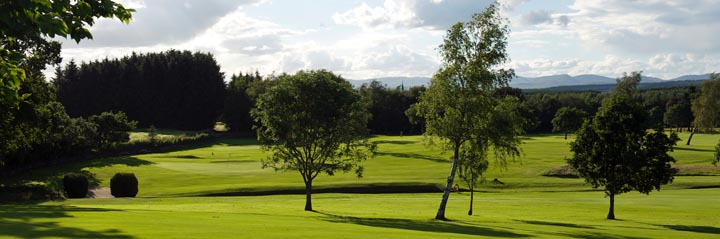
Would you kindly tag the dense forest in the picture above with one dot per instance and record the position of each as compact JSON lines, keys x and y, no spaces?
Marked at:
{"x":185,"y":90}
{"x":173,"y":89}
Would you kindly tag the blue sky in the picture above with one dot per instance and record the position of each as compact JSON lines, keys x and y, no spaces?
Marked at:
{"x":363,"y":39}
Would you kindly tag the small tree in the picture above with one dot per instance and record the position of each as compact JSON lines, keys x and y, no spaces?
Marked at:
{"x":152,"y":134}
{"x":459,"y":102}
{"x":706,"y":107}
{"x":472,"y":163}
{"x":112,"y":128}
{"x":568,"y":119}
{"x":616,"y":151}
{"x":313,"y":122}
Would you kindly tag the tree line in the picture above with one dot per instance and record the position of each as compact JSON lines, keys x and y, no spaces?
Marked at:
{"x":34,"y":126}
{"x":172,"y":89}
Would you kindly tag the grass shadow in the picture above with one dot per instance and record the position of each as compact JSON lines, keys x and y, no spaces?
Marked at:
{"x":124,"y":160}
{"x":687,"y":228}
{"x":425,"y":226}
{"x":414,"y":156}
{"x":559,"y":224}
{"x":593,"y":235}
{"x":693,"y":149}
{"x":21,"y":221}
{"x":399,"y":142}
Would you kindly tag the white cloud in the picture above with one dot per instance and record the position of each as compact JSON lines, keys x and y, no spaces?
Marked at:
{"x":648,"y":27}
{"x":159,"y":22}
{"x":431,"y":14}
{"x":666,"y":66}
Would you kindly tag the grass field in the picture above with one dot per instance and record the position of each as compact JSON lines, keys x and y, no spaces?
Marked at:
{"x":171,"y":202}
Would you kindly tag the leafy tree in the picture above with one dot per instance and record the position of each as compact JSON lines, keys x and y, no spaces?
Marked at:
{"x":616,"y":151}
{"x":459,"y":101}
{"x":112,"y":128}
{"x":678,"y":112}
{"x":707,"y":106}
{"x":236,"y":112}
{"x":313,"y":122}
{"x":568,"y":119}
{"x":472,"y":163}
{"x":388,"y":107}
{"x":25,"y":29}
{"x":503,"y":129}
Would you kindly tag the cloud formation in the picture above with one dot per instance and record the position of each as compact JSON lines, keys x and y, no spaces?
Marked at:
{"x":431,"y":14}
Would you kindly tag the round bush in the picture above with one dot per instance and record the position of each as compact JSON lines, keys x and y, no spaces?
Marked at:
{"x":124,"y":185}
{"x":76,"y":185}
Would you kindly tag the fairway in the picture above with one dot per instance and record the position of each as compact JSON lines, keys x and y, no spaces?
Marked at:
{"x":171,"y":202}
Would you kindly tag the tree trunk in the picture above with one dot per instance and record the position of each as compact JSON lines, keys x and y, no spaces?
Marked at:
{"x":472,"y":191}
{"x":308,"y":196}
{"x":611,"y":213}
{"x":565,"y":135}
{"x":691,"y":135}
{"x":446,"y":194}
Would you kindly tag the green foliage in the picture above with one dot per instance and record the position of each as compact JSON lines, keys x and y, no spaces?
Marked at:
{"x":313,"y":122}
{"x":124,"y":185}
{"x":75,"y":185}
{"x":459,"y":106}
{"x":171,"y":89}
{"x":706,"y":106}
{"x":388,"y":107}
{"x":242,"y":94}
{"x":26,"y":26}
{"x":615,"y":150}
{"x":678,"y":111}
{"x":568,"y":120}
{"x":112,"y":128}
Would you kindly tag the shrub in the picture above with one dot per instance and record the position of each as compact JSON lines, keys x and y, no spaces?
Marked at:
{"x":124,"y":185}
{"x":76,"y":185}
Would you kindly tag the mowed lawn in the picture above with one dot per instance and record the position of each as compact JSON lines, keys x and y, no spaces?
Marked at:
{"x":170,"y":204}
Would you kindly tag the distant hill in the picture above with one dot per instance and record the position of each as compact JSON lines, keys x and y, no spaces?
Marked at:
{"x":610,"y":87}
{"x":393,"y":82}
{"x":553,"y":82}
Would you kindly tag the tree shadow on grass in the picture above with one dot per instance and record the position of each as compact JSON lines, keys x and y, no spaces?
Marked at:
{"x":399,"y":142}
{"x":559,"y":224}
{"x":413,"y":156}
{"x":425,"y":226}
{"x":595,"y":235}
{"x":21,"y":220}
{"x":700,"y":229}
{"x":693,"y":149}
{"x":126,"y":160}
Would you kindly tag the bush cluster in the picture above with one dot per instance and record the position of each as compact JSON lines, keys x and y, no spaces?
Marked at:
{"x":124,"y":185}
{"x":76,"y":185}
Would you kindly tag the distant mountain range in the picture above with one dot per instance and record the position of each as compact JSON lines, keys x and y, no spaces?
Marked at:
{"x":553,"y":82}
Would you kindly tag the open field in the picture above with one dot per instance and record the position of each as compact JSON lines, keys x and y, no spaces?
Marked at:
{"x":171,"y":205}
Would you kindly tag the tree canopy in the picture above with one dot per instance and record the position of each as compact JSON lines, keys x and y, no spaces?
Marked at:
{"x":26,"y":26}
{"x":459,"y":103}
{"x":32,"y":125}
{"x":568,"y":120}
{"x":172,"y":89}
{"x":313,"y":122}
{"x":616,"y":151}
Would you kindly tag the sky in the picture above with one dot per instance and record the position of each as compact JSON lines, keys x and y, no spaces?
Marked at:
{"x":365,"y":39}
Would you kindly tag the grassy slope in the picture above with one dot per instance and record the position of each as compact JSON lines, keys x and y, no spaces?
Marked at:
{"x":234,"y":165}
{"x":665,"y":214}
{"x":528,"y":205}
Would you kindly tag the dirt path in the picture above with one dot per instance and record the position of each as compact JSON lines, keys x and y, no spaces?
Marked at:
{"x":102,"y":192}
